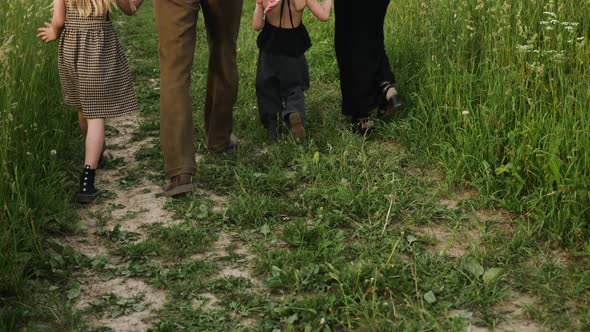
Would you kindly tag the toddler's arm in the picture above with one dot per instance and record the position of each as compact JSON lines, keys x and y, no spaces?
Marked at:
{"x":129,"y":7}
{"x":258,"y":20}
{"x":322,"y":12}
{"x":53,"y":30}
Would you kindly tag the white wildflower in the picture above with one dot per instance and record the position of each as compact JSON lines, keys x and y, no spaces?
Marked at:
{"x":53,"y":152}
{"x":322,"y":321}
{"x":466,"y":112}
{"x":524,"y":48}
{"x":559,"y":57}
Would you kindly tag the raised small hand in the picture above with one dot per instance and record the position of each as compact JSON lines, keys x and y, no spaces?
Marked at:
{"x":48,"y":33}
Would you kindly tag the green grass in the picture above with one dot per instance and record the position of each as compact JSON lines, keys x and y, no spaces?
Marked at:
{"x":38,"y":150}
{"x":519,"y":70}
{"x":339,"y":226}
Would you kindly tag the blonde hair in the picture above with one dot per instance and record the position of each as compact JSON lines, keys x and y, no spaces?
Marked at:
{"x":92,"y":7}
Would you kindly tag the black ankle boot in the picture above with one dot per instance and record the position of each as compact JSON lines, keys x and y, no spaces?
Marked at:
{"x":87,"y":192}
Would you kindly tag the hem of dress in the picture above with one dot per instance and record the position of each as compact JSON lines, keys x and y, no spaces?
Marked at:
{"x":77,"y":107}
{"x":109,"y":116}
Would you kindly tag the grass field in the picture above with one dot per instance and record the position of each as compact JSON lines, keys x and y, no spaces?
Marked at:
{"x":469,"y":209}
{"x":38,"y":147}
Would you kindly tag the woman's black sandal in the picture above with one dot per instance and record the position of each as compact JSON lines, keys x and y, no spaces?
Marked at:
{"x":363,"y":126}
{"x":388,"y":106}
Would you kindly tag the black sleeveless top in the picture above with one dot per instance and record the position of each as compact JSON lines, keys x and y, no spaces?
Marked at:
{"x":278,"y":40}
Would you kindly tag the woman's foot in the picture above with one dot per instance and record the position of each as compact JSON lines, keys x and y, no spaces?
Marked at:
{"x":297,"y":127}
{"x":363,"y":126}
{"x":391,"y":101}
{"x":87,"y":192}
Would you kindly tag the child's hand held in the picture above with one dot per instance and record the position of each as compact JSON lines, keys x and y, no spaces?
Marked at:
{"x":271,"y":5}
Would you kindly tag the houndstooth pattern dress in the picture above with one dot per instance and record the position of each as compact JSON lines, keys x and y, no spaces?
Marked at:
{"x":93,"y":68}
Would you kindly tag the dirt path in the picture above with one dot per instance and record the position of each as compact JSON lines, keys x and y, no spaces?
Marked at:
{"x":129,"y":204}
{"x":130,"y":210}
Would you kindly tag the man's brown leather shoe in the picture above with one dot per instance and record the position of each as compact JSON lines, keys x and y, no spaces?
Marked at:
{"x":179,"y":185}
{"x":230,"y":150}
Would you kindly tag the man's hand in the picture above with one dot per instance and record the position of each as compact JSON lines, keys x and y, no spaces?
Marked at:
{"x":49,"y":33}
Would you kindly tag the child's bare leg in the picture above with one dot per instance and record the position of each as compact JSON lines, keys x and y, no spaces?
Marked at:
{"x":94,"y":142}
{"x":83,"y":123}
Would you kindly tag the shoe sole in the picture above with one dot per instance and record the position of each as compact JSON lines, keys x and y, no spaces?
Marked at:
{"x":179,"y":190}
{"x":228,"y":153}
{"x":85,"y":198}
{"x":297,"y":129}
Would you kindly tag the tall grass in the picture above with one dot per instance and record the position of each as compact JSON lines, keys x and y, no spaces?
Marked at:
{"x":37,"y":142}
{"x":500,"y":91}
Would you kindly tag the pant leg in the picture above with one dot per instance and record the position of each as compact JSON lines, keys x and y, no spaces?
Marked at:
{"x":268,"y":93}
{"x":222,"y":19}
{"x":360,"y":51}
{"x":344,"y":16}
{"x":294,"y":79}
{"x":294,"y":103}
{"x":383,"y":72}
{"x":176,"y":21}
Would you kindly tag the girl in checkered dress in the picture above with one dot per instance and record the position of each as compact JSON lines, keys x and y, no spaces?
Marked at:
{"x":94,"y":73}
